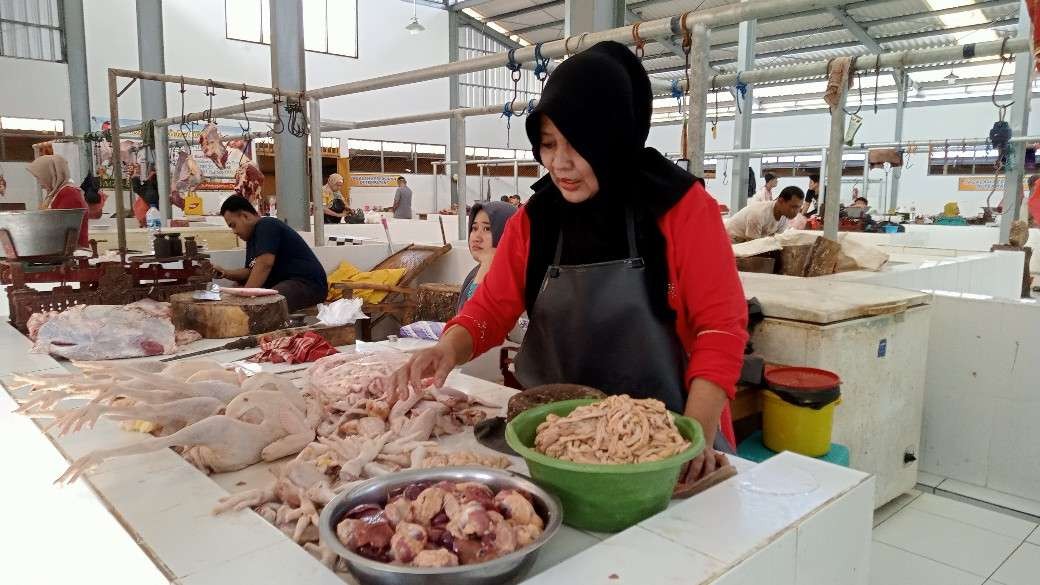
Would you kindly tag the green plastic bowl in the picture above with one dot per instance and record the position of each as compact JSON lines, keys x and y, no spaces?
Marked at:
{"x":601,"y":498}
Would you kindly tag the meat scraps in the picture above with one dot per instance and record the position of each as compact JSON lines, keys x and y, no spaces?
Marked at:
{"x":444,"y":525}
{"x":213,"y":146}
{"x":297,"y":348}
{"x":105,"y":332}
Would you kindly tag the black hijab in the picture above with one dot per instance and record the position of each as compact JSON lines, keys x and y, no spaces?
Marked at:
{"x":601,"y":101}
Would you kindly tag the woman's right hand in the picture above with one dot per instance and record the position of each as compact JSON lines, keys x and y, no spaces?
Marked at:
{"x":430,"y":365}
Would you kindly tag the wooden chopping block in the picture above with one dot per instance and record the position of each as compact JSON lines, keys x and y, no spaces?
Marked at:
{"x":437,"y":302}
{"x":232,"y":316}
{"x":823,"y":258}
{"x":794,"y":260}
{"x":759,"y":264}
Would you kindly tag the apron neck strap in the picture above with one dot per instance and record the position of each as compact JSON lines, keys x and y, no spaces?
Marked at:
{"x":630,"y":229}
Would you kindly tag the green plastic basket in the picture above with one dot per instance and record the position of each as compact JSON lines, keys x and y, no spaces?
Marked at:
{"x":601,"y":498}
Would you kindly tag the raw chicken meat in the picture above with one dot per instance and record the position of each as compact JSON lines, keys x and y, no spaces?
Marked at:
{"x":104,"y":332}
{"x":213,"y":146}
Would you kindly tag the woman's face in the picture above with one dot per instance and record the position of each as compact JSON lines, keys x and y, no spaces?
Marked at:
{"x":571,"y":173}
{"x":480,"y":239}
{"x":773,"y":183}
{"x":335,"y":184}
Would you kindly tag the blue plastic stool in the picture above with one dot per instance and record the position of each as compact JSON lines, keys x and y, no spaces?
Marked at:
{"x":753,"y":449}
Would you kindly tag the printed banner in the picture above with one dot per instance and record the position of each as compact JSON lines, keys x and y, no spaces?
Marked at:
{"x":980,"y":183}
{"x":373,"y":180}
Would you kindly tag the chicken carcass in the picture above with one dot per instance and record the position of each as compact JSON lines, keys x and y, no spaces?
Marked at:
{"x":103,"y":332}
{"x":213,"y":146}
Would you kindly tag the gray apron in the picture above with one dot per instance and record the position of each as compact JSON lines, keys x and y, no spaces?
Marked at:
{"x":592,"y":325}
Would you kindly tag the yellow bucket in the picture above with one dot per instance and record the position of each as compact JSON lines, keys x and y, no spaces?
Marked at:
{"x":801,"y":429}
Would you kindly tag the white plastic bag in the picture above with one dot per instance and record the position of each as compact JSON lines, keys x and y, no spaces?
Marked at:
{"x":341,"y":312}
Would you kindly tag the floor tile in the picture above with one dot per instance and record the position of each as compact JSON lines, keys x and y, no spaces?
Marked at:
{"x":1034,"y":537}
{"x":893,"y":566}
{"x":888,"y":510}
{"x":947,"y":541}
{"x":929,"y":479}
{"x":1023,"y":568}
{"x":1020,"y":504}
{"x":974,"y":515}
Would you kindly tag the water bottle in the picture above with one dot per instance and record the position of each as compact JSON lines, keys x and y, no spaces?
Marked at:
{"x":153,"y":219}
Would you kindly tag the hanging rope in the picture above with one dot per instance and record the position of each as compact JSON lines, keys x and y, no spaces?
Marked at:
{"x":877,"y":76}
{"x":577,"y":47}
{"x":687,"y":45}
{"x":639,"y":41}
{"x":541,"y":65}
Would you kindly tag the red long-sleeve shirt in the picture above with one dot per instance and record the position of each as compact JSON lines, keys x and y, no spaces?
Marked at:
{"x":705,"y":292}
{"x":71,"y":197}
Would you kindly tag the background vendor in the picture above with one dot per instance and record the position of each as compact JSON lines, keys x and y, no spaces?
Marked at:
{"x":276,"y":257}
{"x":332,"y":197}
{"x":487,"y":222}
{"x":761,"y":219}
{"x":52,"y":175}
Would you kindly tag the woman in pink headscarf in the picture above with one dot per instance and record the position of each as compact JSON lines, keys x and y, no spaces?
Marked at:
{"x":52,"y":174}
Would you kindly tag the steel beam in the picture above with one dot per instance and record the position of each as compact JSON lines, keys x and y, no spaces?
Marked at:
{"x":631,"y":17}
{"x":1019,"y":126}
{"x":456,"y":127}
{"x":902,"y":83}
{"x":464,"y":4}
{"x":317,"y":200}
{"x":523,"y":11}
{"x":831,"y":199}
{"x":698,"y":100}
{"x":857,"y":31}
{"x":151,"y":58}
{"x":288,"y":70}
{"x":587,"y":16}
{"x":79,"y":85}
{"x":738,"y":197}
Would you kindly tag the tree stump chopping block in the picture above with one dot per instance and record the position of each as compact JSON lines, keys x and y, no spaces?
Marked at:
{"x":232,"y":316}
{"x":437,"y":302}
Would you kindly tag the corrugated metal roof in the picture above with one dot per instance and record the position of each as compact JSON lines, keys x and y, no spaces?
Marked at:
{"x":807,"y":36}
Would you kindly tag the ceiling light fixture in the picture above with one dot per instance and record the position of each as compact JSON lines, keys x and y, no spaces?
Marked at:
{"x":414,"y":27}
{"x":951,"y":78}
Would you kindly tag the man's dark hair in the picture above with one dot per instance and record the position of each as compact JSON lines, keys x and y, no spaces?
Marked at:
{"x":399,"y":179}
{"x":1032,"y":181}
{"x":863,"y":199}
{"x":237,"y":203}
{"x":505,"y":198}
{"x":791,"y":192}
{"x":815,"y":177}
{"x":768,"y":177}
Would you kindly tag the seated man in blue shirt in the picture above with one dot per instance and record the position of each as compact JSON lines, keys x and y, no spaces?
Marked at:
{"x":276,"y":257}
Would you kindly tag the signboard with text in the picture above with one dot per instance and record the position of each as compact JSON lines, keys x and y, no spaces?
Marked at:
{"x":372,"y":180}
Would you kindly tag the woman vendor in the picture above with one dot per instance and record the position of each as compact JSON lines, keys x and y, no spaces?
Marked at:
{"x":52,"y":174}
{"x":487,"y":221}
{"x":619,"y":257}
{"x":335,"y":208}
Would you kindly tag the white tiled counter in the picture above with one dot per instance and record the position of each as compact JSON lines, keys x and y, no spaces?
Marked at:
{"x":790,"y":520}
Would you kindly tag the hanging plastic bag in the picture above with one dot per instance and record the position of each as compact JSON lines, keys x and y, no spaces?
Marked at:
{"x":192,"y":204}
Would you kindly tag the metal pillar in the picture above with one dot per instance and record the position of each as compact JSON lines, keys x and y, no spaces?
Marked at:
{"x":585,"y":16}
{"x":458,"y":187}
{"x":832,"y":197}
{"x":456,"y":129}
{"x":865,"y":191}
{"x":516,"y":177}
{"x":902,"y":81}
{"x":1019,"y":127}
{"x":150,"y":58}
{"x":697,"y":106}
{"x":317,"y":201}
{"x":288,"y":72}
{"x":117,"y":164}
{"x":79,"y":88}
{"x":746,"y":35}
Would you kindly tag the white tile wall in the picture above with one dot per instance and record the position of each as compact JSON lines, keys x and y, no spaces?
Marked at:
{"x":982,"y":397}
{"x":776,"y":564}
{"x":844,"y":530}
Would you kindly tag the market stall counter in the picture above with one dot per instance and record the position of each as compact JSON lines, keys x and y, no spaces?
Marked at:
{"x":790,"y":519}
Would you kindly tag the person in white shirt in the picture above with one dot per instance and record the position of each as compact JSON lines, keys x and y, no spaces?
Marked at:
{"x":766,"y":192}
{"x":765,"y":218}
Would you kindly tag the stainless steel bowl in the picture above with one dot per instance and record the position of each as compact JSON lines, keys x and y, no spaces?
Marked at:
{"x":40,"y":233}
{"x":501,"y":570}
